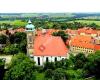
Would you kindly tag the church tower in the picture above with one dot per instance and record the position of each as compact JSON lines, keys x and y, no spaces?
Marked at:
{"x":30,"y":31}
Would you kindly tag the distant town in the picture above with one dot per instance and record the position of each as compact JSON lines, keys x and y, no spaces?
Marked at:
{"x":60,"y":46}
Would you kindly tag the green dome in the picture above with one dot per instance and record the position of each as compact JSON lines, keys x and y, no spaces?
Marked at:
{"x":30,"y":26}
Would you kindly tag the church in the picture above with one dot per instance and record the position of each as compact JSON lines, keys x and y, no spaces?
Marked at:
{"x":44,"y":48}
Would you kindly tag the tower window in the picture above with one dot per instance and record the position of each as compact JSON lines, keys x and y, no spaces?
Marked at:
{"x":30,"y":46}
{"x":38,"y":60}
{"x":28,"y":28}
{"x":30,"y":38}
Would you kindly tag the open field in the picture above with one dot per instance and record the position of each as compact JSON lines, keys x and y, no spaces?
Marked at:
{"x":89,"y":21}
{"x":15,"y":22}
{"x":19,"y":23}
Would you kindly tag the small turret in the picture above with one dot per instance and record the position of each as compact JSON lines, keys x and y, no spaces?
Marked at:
{"x":30,"y":26}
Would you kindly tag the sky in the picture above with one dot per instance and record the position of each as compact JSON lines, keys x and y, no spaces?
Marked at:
{"x":52,"y":6}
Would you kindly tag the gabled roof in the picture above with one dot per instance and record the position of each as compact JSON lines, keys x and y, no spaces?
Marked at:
{"x":48,"y":31}
{"x":82,"y":41}
{"x":47,"y":45}
{"x":19,"y":30}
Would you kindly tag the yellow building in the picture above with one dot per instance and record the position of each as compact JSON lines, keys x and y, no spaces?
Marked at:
{"x":83,"y":44}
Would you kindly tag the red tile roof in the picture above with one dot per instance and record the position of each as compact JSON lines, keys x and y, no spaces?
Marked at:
{"x":98,"y":32}
{"x":19,"y":30}
{"x":69,"y":31}
{"x":48,"y":31}
{"x":47,"y":45}
{"x":97,"y":47}
{"x":82,"y":41}
{"x":87,"y":31}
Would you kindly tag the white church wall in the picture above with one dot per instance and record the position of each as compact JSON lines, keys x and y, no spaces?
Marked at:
{"x":50,"y":59}
{"x":36,"y":60}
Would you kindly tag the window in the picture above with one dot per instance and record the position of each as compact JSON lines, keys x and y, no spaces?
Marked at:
{"x":30,"y":38}
{"x":47,"y":60}
{"x":55,"y":59}
{"x":62,"y":58}
{"x":38,"y":60}
{"x":30,"y":46}
{"x":28,"y":28}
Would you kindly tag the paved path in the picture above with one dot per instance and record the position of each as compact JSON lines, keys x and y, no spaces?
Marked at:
{"x":7,"y":57}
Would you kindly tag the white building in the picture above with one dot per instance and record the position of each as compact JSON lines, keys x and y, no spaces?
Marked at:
{"x":44,"y":48}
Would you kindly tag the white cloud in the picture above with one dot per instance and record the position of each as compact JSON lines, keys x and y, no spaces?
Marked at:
{"x":49,"y":6}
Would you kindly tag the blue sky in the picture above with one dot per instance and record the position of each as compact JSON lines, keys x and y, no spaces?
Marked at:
{"x":37,"y":6}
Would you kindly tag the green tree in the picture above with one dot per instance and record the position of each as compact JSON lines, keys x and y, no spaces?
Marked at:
{"x":49,"y":73}
{"x":92,"y":67}
{"x":63,"y":26}
{"x":74,"y":74}
{"x":80,"y":60}
{"x":18,"y":37}
{"x":93,"y":25}
{"x":56,"y":26}
{"x":11,"y":49}
{"x":18,"y":58}
{"x":49,"y":65}
{"x":64,"y":63}
{"x":69,"y":63}
{"x":59,"y":74}
{"x":22,"y":46}
{"x":58,"y":64}
{"x":2,"y":69}
{"x":23,"y":69}
{"x":63,"y":35}
{"x":3,"y":39}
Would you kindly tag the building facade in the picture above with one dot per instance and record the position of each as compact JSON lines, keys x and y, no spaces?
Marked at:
{"x":84,"y":44}
{"x":44,"y":48}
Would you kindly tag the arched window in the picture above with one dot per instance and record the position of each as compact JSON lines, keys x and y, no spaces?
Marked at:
{"x":47,"y":60}
{"x":55,"y":59}
{"x":38,"y":60}
{"x":30,"y":39}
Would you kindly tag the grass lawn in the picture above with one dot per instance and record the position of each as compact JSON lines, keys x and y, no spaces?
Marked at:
{"x":40,"y":76}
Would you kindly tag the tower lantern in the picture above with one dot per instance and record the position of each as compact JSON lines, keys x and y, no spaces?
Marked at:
{"x":30,"y":31}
